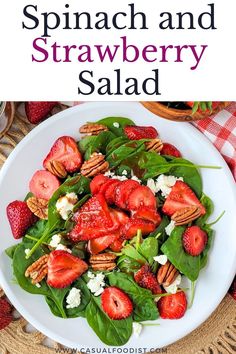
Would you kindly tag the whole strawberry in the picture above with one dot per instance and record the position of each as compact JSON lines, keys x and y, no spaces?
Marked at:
{"x":37,"y":111}
{"x":20,"y":218}
{"x":5,"y":313}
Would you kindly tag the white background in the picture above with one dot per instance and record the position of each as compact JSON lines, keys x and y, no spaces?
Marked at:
{"x":214,"y":79}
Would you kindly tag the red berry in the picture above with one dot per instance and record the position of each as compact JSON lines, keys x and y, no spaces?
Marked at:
{"x":141,"y":196}
{"x":5,"y":320}
{"x":122,"y":192}
{"x":20,"y":218}
{"x":37,"y":111}
{"x":64,"y":268}
{"x":97,"y":182}
{"x":116,"y":304}
{"x":148,"y":214}
{"x":133,"y":225}
{"x":194,"y":240}
{"x":106,"y":185}
{"x":43,"y":184}
{"x":135,"y":132}
{"x":181,"y":196}
{"x":171,"y":150}
{"x":172,"y":306}
{"x":5,"y":307}
{"x":146,"y":279}
{"x":65,"y":150}
{"x":117,"y":245}
{"x":110,"y":192}
{"x":99,"y":244}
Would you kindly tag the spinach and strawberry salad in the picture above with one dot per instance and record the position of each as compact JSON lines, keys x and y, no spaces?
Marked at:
{"x":111,"y":226}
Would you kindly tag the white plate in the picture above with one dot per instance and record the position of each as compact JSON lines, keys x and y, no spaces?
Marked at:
{"x":214,"y":280}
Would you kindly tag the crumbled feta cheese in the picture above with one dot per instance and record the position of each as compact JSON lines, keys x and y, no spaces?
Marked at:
{"x":38,"y":285}
{"x":27,"y":251}
{"x":116,"y":125}
{"x":73,"y":299}
{"x":109,"y":174}
{"x":61,"y":247}
{"x":162,"y":259}
{"x":56,"y":239}
{"x":120,"y":178}
{"x":65,"y":204}
{"x":90,"y":275}
{"x":135,"y":178}
{"x":137,"y":328}
{"x":152,"y":185}
{"x":172,"y":288}
{"x":169,"y":228}
{"x":124,"y":172}
{"x":165,"y":184}
{"x":96,"y":284}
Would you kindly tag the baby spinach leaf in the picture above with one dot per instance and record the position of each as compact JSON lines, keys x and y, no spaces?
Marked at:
{"x":188,"y":265}
{"x":37,"y":229}
{"x":28,"y":195}
{"x":148,"y":249}
{"x":110,"y":122}
{"x":209,"y":206}
{"x":131,"y":252}
{"x":190,"y":175}
{"x":115,"y":143}
{"x":120,"y":171}
{"x":111,"y":332}
{"x":99,"y":144}
{"x":85,"y":299}
{"x":128,"y":265}
{"x":161,"y":230}
{"x":124,"y":152}
{"x":144,"y":306}
{"x":11,"y":250}
{"x":85,"y":142}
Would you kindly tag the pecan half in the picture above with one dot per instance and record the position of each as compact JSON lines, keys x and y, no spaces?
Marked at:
{"x":38,"y":270}
{"x":95,"y":165}
{"x":186,"y":215}
{"x":103,"y":261}
{"x":57,"y":169}
{"x":39,"y":207}
{"x":155,"y":145}
{"x":167,"y":274}
{"x":93,"y":129}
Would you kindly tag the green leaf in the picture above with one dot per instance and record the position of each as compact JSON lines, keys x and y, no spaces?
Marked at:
{"x":115,"y":143}
{"x":11,"y":250}
{"x":131,"y":252}
{"x":28,"y":195}
{"x":124,"y":152}
{"x":144,"y":306}
{"x":149,"y":249}
{"x":109,"y":122}
{"x":99,"y":144}
{"x":111,"y":332}
{"x":128,"y":265}
{"x":85,"y":142}
{"x":209,"y":206}
{"x":188,"y":265}
{"x":161,"y":230}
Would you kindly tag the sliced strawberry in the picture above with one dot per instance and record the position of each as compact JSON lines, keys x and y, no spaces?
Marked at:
{"x":37,"y":111}
{"x":43,"y":184}
{"x":170,"y":150}
{"x":106,"y":185}
{"x":65,"y":150}
{"x":94,"y":223}
{"x":130,"y":229}
{"x":141,"y":196}
{"x":146,"y":279}
{"x":122,"y":192}
{"x":20,"y":218}
{"x":97,"y":182}
{"x":181,"y":196}
{"x":135,"y":132}
{"x":110,"y":192}
{"x":122,"y":218}
{"x":117,"y":245}
{"x":64,"y":268}
{"x":194,"y":240}
{"x":148,"y":214}
{"x":99,"y":244}
{"x":116,"y":304}
{"x":172,"y":306}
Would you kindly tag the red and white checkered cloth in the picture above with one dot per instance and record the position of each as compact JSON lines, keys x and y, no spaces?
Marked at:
{"x":221,"y":130}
